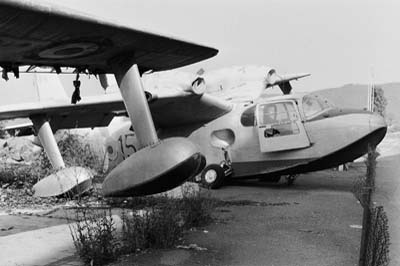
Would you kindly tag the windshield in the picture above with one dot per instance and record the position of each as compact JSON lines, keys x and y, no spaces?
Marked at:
{"x":314,"y":104}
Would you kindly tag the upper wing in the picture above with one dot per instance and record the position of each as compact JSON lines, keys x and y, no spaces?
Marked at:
{"x":167,"y":110}
{"x":34,"y":33}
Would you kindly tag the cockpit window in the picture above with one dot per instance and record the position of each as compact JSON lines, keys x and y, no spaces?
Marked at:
{"x":313,"y":104}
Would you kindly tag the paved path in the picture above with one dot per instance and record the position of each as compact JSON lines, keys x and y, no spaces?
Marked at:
{"x":36,"y":247}
{"x":315,"y":222}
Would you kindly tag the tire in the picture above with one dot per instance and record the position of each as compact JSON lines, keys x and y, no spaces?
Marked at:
{"x":290,"y":179}
{"x":212,"y":176}
{"x":274,"y":179}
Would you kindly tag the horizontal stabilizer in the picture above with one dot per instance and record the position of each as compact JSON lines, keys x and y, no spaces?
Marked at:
{"x":283,"y":81}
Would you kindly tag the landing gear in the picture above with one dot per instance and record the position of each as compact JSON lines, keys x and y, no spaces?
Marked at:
{"x":213,"y":176}
{"x":275,"y":179}
{"x":290,"y":179}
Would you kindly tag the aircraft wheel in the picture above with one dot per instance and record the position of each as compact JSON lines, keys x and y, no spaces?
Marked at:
{"x":275,"y":179}
{"x":212,"y":176}
{"x":290,"y":179}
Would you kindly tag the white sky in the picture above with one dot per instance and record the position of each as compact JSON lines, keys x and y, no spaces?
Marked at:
{"x":337,"y":41}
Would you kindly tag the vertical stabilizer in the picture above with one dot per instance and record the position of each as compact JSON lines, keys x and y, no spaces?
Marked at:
{"x":49,"y":88}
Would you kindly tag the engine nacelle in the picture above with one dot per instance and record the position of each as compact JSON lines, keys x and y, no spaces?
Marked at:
{"x":198,"y":86}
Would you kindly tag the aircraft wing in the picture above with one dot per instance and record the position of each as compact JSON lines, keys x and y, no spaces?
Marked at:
{"x":41,"y":34}
{"x":168,"y":110}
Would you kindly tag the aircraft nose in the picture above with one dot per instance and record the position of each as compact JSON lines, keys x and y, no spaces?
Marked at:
{"x":377,"y":122}
{"x":377,"y":129}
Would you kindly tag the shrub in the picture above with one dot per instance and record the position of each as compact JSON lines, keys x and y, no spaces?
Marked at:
{"x":94,"y":236}
{"x":74,"y":152}
{"x":159,"y":223}
{"x":156,"y":227}
{"x":196,"y":210}
{"x":380,"y":101}
{"x":18,"y":176}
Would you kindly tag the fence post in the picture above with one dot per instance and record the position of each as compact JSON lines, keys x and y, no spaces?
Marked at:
{"x":366,"y":201}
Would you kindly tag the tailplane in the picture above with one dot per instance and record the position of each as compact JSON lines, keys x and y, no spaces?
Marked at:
{"x":283,"y":81}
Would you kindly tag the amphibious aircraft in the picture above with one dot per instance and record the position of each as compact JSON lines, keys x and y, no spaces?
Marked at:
{"x":41,"y":34}
{"x":269,"y":137}
{"x":273,"y":132}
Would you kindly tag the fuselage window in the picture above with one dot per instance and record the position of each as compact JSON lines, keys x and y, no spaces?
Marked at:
{"x":248,"y":118}
{"x":279,"y":119}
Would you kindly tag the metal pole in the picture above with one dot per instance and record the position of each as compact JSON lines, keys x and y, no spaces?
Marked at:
{"x":46,"y":137}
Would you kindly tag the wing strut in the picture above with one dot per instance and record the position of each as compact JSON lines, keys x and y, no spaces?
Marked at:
{"x":132,"y":91}
{"x":65,"y":179}
{"x":159,"y":165}
{"x":46,"y":137}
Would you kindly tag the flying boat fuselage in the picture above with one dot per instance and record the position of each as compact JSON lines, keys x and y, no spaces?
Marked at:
{"x":275,"y":136}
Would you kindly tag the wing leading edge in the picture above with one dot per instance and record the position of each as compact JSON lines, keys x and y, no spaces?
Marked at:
{"x":35,"y":33}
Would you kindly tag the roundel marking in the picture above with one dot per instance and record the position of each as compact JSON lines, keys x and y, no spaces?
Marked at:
{"x":69,"y":50}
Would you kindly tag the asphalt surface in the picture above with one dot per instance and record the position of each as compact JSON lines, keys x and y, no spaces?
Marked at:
{"x":314,"y":222}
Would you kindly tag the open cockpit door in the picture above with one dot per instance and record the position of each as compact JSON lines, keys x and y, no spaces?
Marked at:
{"x":280,"y":127}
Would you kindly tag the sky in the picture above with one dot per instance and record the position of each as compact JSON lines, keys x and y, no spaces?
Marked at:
{"x":338,"y":42}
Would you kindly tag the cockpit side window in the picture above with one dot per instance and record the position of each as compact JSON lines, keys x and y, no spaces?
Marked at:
{"x":313,"y":105}
{"x":278,"y":119}
{"x":248,"y":117}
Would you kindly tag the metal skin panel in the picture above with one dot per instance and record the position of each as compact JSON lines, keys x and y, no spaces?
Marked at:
{"x":40,"y":33}
{"x":334,"y":140}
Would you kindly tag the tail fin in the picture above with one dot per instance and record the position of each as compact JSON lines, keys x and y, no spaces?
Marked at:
{"x":49,"y":88}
